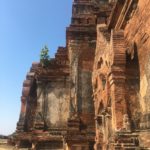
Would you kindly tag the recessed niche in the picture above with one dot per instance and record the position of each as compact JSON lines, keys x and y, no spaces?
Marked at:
{"x":100,"y":62}
{"x":103,"y":83}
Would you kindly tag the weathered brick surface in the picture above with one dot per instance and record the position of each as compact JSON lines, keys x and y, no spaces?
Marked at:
{"x":95,"y":92}
{"x":137,"y":31}
{"x":126,"y":66}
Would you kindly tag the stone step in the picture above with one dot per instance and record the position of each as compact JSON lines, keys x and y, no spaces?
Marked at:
{"x":125,"y":144}
{"x":126,"y":141}
{"x":127,"y":148}
{"x":49,"y":149}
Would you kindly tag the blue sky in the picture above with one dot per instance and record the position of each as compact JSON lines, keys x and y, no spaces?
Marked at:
{"x":25,"y":27}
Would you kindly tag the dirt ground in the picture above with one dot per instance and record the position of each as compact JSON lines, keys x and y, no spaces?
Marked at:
{"x":6,"y":147}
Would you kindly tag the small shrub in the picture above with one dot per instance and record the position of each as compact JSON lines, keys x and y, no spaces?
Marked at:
{"x":44,"y":56}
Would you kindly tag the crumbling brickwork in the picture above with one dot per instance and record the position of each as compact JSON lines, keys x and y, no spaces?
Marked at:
{"x":94,"y":95}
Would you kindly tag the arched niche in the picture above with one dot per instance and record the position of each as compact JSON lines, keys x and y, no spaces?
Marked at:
{"x":103,"y":81}
{"x":99,"y":64}
{"x":99,"y":118}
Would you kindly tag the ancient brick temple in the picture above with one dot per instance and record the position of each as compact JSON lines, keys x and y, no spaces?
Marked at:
{"x":94,"y":95}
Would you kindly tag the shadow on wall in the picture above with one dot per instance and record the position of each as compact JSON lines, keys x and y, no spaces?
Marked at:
{"x":31,"y":107}
{"x":133,"y":86}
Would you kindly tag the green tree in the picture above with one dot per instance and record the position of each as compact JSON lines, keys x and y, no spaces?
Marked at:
{"x":44,"y":56}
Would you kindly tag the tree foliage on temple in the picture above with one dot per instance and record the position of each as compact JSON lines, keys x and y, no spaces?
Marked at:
{"x":44,"y":56}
